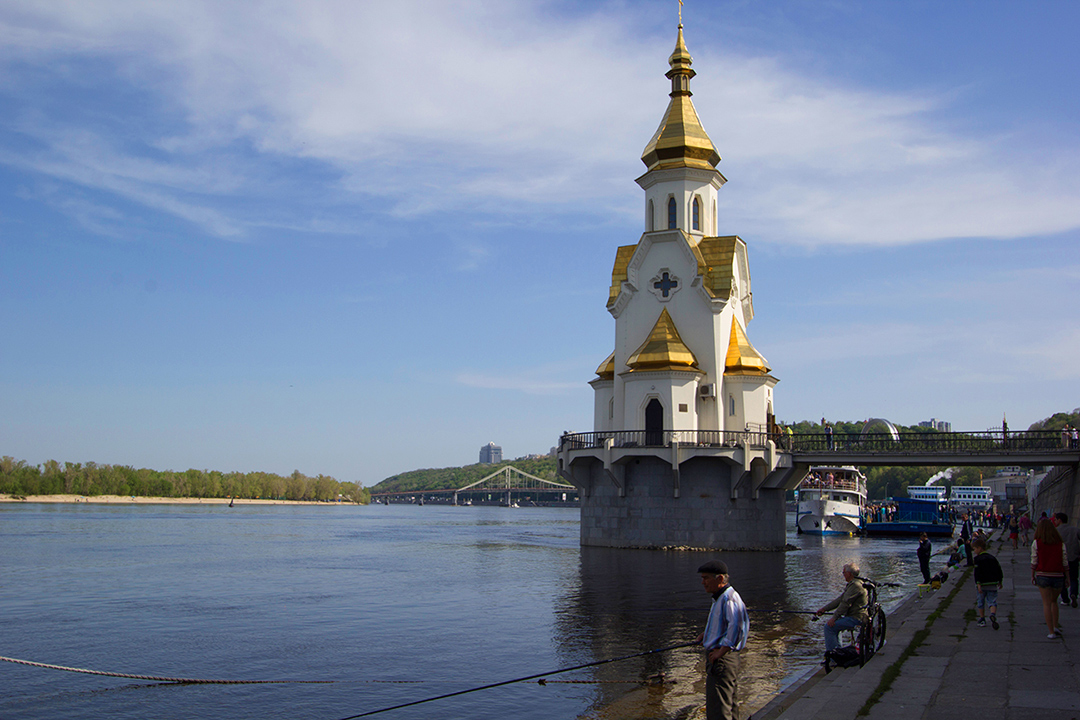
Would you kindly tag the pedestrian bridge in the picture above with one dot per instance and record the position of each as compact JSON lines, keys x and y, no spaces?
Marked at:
{"x":506,"y":486}
{"x":790,"y":456}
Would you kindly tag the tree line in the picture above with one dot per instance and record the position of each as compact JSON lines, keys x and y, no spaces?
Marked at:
{"x":17,"y":477}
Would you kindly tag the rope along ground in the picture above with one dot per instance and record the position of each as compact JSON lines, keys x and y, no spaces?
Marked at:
{"x":157,"y":678}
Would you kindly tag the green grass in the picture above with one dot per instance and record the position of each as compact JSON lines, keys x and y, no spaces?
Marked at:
{"x":893,"y":671}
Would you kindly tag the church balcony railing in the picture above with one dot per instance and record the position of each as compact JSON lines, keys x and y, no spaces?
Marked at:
{"x":663,"y":438}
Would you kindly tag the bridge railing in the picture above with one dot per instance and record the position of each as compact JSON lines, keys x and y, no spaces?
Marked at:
{"x":975,"y":443}
{"x":664,"y":438}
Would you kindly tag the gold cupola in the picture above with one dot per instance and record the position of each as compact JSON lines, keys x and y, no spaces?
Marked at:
{"x":663,"y":349}
{"x":680,"y":141}
{"x":606,"y":371}
{"x":742,"y":357}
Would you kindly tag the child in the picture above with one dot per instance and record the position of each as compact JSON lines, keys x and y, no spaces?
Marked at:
{"x":988,"y":578}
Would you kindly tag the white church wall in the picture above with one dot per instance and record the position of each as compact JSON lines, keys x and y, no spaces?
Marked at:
{"x":603,"y":398}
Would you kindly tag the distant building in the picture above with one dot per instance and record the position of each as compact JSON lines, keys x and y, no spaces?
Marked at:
{"x":490,"y":454}
{"x":935,"y":424}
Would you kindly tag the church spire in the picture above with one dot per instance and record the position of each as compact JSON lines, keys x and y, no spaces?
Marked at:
{"x":680,"y":141}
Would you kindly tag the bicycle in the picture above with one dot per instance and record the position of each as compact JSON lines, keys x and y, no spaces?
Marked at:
{"x":867,"y":639}
{"x":872,"y":633}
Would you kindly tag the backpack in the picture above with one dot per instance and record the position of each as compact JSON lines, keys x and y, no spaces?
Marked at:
{"x":842,"y":657}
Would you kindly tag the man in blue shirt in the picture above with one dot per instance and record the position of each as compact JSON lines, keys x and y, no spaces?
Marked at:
{"x":724,"y":637}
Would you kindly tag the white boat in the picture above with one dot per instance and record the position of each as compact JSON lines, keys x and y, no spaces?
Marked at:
{"x":831,"y":501}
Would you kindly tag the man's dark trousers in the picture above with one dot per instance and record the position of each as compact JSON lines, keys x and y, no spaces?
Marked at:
{"x":721,"y":686}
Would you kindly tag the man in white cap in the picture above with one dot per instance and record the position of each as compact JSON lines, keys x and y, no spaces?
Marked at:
{"x":724,"y":638}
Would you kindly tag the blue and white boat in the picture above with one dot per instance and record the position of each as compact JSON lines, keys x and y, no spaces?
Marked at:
{"x":830,"y":501}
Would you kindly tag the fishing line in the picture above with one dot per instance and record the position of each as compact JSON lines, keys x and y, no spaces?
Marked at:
{"x":517,"y":680}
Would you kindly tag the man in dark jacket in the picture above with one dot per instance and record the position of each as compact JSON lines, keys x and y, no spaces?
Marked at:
{"x":924,"y":553}
{"x":965,"y":537}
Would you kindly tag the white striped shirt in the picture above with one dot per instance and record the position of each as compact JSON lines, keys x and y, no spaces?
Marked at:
{"x":729,"y":623}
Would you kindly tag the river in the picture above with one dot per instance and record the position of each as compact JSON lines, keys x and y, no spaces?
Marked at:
{"x":386,"y":605}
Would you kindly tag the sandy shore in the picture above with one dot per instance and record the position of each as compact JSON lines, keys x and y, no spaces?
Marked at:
{"x":130,"y":500}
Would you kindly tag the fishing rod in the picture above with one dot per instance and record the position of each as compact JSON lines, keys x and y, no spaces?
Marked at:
{"x":520,"y":679}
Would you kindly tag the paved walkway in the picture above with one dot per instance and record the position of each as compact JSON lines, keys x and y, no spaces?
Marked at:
{"x":959,"y":669}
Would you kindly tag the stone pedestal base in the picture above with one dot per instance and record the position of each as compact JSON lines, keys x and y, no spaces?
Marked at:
{"x":647,"y":513}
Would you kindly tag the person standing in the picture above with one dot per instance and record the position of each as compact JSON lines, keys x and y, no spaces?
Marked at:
{"x":924,"y":552}
{"x":850,"y":607}
{"x":988,"y":580}
{"x":1071,"y":537}
{"x":1025,"y":528}
{"x":965,"y":537}
{"x":724,"y":638}
{"x":828,"y":436}
{"x":1049,"y":572}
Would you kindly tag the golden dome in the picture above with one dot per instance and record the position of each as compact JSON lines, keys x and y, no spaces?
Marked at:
{"x":742,"y":358}
{"x":680,"y":141}
{"x":663,"y":349}
{"x":606,"y":371}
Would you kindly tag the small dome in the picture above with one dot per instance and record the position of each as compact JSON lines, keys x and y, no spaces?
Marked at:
{"x":606,"y":371}
{"x":742,"y":358}
{"x":663,"y":349}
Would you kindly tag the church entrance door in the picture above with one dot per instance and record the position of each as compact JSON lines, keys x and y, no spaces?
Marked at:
{"x":654,"y":423}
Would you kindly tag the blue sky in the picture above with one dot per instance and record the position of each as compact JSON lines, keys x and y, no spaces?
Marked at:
{"x":357,"y":238}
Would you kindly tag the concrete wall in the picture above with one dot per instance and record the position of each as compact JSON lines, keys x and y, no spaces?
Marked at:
{"x":703,"y":516}
{"x":1058,"y":492}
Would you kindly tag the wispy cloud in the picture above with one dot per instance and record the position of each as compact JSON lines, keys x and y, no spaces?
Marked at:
{"x":510,"y":110}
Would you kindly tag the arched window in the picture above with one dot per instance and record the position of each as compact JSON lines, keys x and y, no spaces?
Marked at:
{"x":650,"y":223}
{"x":696,"y":214}
{"x":731,"y":404}
{"x":671,"y":213}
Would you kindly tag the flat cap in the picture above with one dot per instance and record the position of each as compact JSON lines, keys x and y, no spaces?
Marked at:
{"x":714,"y":567}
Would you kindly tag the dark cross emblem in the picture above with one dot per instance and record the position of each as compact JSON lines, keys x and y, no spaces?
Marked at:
{"x":665,"y":284}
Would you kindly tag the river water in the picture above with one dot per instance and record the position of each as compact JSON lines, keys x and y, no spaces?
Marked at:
{"x":389,"y":604}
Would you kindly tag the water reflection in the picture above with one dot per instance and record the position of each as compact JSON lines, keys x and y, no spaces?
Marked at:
{"x":628,"y":601}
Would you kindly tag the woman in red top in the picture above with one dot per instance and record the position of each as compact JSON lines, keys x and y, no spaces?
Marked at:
{"x":1049,"y":571}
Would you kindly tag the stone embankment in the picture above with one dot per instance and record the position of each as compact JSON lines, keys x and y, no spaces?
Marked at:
{"x":939,"y":663}
{"x":1058,"y":493}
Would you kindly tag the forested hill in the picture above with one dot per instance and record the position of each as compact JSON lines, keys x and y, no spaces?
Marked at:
{"x":454,"y":477}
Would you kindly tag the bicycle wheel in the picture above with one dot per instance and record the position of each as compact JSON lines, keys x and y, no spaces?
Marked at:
{"x":878,"y":625}
{"x":865,"y":642}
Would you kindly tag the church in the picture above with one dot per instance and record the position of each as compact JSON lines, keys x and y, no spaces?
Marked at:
{"x":684,"y":448}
